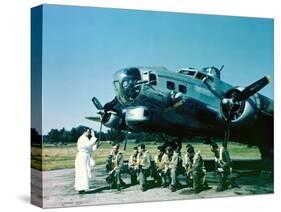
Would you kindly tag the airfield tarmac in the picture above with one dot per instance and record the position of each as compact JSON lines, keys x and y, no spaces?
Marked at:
{"x":58,"y":189}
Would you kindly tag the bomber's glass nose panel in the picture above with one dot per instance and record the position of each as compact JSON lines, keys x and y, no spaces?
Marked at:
{"x":125,"y":83}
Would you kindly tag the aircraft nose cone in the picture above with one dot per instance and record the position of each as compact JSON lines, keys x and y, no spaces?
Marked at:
{"x":129,"y":88}
{"x":125,"y":82}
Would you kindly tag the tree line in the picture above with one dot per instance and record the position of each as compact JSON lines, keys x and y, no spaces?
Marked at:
{"x":64,"y":137}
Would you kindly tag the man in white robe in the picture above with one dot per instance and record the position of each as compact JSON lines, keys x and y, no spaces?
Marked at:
{"x":84,"y":160}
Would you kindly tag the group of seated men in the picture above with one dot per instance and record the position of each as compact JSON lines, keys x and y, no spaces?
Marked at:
{"x":167,"y":165}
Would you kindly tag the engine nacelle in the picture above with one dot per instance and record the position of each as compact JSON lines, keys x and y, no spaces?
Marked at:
{"x":137,"y":116}
{"x":112,"y":120}
{"x":241,"y":112}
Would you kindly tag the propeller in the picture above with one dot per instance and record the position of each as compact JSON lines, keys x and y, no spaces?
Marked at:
{"x":99,"y":107}
{"x":227,"y":130}
{"x":97,"y":103}
{"x":233,"y":99}
{"x":104,"y":112}
{"x":252,"y":89}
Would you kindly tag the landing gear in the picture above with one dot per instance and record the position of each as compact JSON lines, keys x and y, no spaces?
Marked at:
{"x":267,"y":158}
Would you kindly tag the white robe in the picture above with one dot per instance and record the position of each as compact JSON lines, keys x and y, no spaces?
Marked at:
{"x":83,"y":162}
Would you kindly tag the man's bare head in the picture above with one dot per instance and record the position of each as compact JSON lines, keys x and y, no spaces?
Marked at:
{"x":115,"y":148}
{"x":87,"y":132}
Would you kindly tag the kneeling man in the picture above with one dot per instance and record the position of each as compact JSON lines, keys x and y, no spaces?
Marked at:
{"x":114,"y":166}
{"x":144,"y":166}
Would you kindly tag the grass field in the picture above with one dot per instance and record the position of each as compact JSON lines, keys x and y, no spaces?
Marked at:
{"x":62,"y":157}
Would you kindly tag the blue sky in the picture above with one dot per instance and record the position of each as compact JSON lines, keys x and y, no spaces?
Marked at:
{"x":84,"y":46}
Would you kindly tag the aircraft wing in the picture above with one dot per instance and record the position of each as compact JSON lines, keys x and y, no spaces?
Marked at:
{"x":191,"y":106}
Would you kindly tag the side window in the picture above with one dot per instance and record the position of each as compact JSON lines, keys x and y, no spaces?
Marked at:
{"x":182,"y":89}
{"x":152,"y":79}
{"x":170,"y":85}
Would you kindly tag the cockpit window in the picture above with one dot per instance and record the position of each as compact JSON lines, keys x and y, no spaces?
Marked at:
{"x":200,"y":76}
{"x":186,"y":72}
{"x":170,"y":85}
{"x":152,"y":79}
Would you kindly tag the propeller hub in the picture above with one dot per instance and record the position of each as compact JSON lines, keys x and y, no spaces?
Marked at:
{"x":230,"y":107}
{"x":227,"y":101}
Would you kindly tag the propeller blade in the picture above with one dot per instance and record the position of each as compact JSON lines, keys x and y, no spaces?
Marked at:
{"x":94,"y":118}
{"x":110,"y":105}
{"x":126,"y":140}
{"x":100,"y":131}
{"x":253,"y":88}
{"x":218,"y":93}
{"x":97,"y":104}
{"x":226,"y":132}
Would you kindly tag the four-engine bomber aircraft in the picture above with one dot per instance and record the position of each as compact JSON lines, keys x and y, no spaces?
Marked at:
{"x":189,"y":103}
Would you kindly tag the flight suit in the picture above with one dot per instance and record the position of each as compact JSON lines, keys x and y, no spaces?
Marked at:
{"x":144,"y":165}
{"x":133,"y":167}
{"x":114,"y":165}
{"x":188,"y":165}
{"x":223,"y":167}
{"x":198,"y":173}
{"x":159,"y":166}
{"x":171,"y":164}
